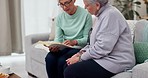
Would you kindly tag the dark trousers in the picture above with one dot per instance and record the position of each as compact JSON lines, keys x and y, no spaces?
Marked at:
{"x":86,"y":69}
{"x":56,"y":62}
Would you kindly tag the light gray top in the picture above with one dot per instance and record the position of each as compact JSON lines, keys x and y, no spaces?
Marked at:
{"x":110,"y":41}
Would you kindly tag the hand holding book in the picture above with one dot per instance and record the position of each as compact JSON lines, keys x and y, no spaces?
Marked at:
{"x":52,"y":44}
{"x":70,"y":42}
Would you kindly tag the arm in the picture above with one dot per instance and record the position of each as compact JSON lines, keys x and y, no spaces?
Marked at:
{"x":87,"y":27}
{"x":58,"y":31}
{"x":106,"y":34}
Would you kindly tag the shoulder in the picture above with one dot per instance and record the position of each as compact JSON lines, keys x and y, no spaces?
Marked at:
{"x":112,"y":13}
{"x":60,"y":15}
{"x":82,"y":10}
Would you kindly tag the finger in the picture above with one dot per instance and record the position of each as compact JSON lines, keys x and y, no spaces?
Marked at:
{"x":52,"y":48}
{"x":67,"y":42}
{"x":56,"y":49}
{"x":67,"y":60}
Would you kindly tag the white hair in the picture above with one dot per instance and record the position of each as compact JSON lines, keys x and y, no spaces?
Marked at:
{"x":102,"y":2}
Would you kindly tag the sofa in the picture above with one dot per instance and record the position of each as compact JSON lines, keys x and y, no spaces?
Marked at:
{"x":35,"y":58}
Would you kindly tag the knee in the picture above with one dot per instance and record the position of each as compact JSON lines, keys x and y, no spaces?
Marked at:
{"x":61,"y":62}
{"x":69,"y":72}
{"x":49,"y":57}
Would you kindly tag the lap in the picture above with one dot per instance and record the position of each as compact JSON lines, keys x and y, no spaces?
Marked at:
{"x":62,"y":54}
{"x":87,"y":69}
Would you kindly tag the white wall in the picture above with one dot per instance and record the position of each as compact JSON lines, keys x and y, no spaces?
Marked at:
{"x":80,"y":3}
{"x":38,"y":14}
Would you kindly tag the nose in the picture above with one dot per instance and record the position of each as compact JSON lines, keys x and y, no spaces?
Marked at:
{"x":64,"y":7}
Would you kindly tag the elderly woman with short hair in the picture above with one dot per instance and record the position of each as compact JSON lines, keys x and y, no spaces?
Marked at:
{"x":110,"y":50}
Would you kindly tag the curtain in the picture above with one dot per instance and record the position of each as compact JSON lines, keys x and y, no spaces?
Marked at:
{"x":10,"y":27}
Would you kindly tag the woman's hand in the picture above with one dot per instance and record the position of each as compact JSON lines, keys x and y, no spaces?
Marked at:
{"x":53,"y":48}
{"x":70,"y":42}
{"x":73,"y":59}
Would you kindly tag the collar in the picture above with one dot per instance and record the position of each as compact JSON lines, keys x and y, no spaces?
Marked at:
{"x":102,"y":9}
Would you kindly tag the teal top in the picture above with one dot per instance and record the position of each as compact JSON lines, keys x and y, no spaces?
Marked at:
{"x":73,"y":27}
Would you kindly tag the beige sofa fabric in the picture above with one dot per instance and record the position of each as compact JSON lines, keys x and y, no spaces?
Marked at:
{"x":52,"y":33}
{"x":140,"y":71}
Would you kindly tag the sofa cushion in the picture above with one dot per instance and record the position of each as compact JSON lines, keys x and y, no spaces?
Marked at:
{"x":141,"y":51}
{"x":52,"y":33}
{"x":140,"y":71}
{"x":141,"y":31}
{"x":123,"y":75}
{"x":131,"y":24}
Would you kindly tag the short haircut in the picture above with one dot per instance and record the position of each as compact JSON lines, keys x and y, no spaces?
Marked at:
{"x":102,"y":2}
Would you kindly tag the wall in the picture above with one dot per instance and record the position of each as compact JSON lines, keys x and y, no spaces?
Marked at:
{"x":38,"y":15}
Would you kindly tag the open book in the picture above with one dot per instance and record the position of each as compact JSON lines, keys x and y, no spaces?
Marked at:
{"x":43,"y":44}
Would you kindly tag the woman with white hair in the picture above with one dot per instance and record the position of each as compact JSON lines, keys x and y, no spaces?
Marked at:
{"x":110,"y":50}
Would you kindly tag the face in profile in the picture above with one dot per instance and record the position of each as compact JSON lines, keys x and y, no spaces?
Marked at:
{"x":67,"y":5}
{"x":91,"y":7}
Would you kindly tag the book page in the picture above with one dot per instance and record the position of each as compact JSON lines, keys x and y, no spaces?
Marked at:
{"x":41,"y":46}
{"x":52,"y":43}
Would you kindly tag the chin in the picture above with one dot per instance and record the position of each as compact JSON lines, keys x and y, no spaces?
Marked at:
{"x":91,"y":13}
{"x":67,"y":12}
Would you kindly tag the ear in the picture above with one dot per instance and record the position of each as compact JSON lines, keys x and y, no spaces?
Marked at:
{"x":98,"y":5}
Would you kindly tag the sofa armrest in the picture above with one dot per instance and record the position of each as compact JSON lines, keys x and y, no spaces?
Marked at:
{"x":29,"y":41}
{"x":140,"y":71}
{"x":33,"y":38}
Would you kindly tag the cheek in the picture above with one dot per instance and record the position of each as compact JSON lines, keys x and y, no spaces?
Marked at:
{"x":91,"y":10}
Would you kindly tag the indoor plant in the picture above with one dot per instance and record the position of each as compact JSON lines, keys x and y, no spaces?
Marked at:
{"x":127,"y":8}
{"x":146,"y":2}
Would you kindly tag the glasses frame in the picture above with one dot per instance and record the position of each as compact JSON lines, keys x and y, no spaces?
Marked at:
{"x":66,"y":4}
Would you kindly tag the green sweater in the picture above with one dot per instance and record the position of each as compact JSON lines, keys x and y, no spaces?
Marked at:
{"x":73,"y":27}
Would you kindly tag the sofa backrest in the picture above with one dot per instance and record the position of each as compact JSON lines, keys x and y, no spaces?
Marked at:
{"x":140,"y":36}
{"x":132,"y":24}
{"x":52,"y":33}
{"x":141,"y":31}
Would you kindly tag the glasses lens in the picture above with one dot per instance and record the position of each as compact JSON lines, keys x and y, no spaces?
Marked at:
{"x":65,"y":4}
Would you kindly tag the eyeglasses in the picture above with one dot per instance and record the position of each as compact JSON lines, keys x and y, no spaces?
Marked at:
{"x":66,"y":4}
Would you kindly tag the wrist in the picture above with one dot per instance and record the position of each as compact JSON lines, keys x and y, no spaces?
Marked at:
{"x":80,"y":58}
{"x":80,"y":54}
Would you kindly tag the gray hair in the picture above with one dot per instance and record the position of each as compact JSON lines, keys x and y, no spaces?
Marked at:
{"x":102,"y":2}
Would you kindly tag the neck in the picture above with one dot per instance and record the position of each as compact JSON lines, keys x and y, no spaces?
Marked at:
{"x":74,"y":10}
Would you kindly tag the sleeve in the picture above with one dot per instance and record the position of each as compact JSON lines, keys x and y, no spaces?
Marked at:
{"x":58,"y":31}
{"x":106,"y":38}
{"x":87,"y":27}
